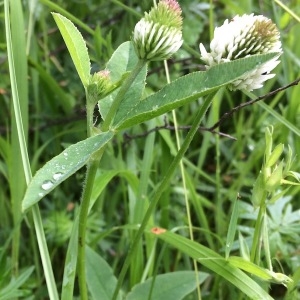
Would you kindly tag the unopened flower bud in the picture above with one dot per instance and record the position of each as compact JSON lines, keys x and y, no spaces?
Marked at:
{"x":100,"y":84}
{"x":244,"y":36}
{"x":158,"y":35}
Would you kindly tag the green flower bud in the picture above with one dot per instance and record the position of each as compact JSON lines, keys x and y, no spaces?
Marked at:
{"x":100,"y":84}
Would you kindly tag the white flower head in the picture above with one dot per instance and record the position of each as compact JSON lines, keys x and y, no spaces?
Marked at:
{"x":244,"y":36}
{"x":158,"y":35}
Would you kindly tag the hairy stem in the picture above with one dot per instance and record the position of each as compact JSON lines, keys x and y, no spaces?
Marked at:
{"x":83,"y":215}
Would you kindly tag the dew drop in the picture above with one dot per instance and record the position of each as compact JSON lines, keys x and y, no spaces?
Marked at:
{"x":48,"y":184}
{"x":65,"y":154}
{"x":41,"y":194}
{"x":57,"y":176}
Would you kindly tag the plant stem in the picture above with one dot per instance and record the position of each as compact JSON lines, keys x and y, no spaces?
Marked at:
{"x":91,"y":172}
{"x":127,"y":8}
{"x":92,"y":167}
{"x":161,"y":188}
{"x":266,"y":243}
{"x":89,"y":115}
{"x":83,"y":214}
{"x":254,"y":257}
{"x":120,"y":96}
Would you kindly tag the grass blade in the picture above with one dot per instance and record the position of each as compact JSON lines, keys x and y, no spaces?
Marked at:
{"x":214,"y":262}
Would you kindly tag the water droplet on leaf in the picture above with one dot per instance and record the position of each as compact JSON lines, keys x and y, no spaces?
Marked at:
{"x":57,"y":176}
{"x":48,"y":184}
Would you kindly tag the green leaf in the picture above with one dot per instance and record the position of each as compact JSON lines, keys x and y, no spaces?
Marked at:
{"x":250,"y":267}
{"x":100,"y":278}
{"x":62,"y":166}
{"x":123,"y":61}
{"x":295,"y":175}
{"x":288,"y":163}
{"x":232,"y":228}
{"x":214,"y":262}
{"x":275,"y":178}
{"x":167,"y":287}
{"x":70,"y":264}
{"x":274,"y":156}
{"x":103,"y":177}
{"x":12,"y":290}
{"x":293,"y":291}
{"x":258,"y":192}
{"x":280,"y":118}
{"x":269,"y":141}
{"x":244,"y":249}
{"x":76,"y":46}
{"x":262,"y":273}
{"x":53,"y":87}
{"x":184,"y":90}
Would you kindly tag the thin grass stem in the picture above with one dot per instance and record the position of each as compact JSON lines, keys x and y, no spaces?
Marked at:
{"x":184,"y":185}
{"x":71,"y":17}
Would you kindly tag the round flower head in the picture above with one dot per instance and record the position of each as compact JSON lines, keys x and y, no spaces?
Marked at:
{"x":241,"y":37}
{"x":158,"y":35}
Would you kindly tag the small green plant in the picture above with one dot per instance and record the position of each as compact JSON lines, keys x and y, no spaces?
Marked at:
{"x":267,"y":191}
